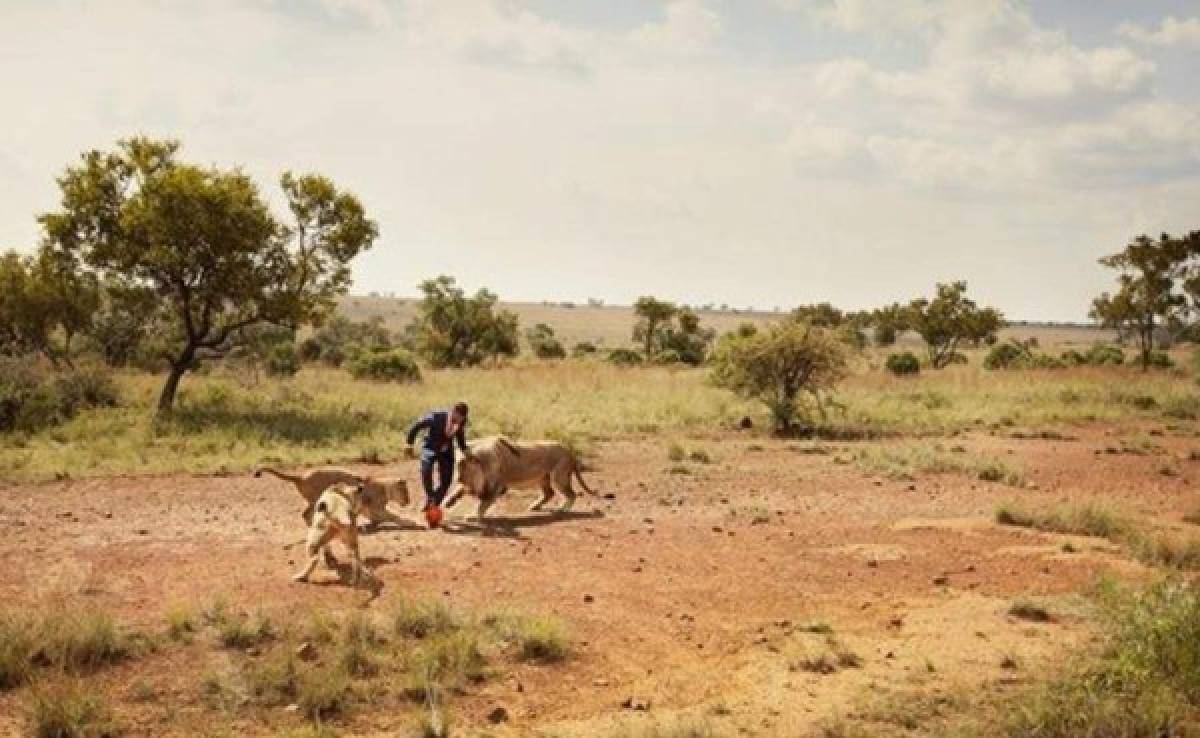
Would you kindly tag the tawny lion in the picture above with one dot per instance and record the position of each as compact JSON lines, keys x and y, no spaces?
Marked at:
{"x":495,"y":464}
{"x":377,"y":491}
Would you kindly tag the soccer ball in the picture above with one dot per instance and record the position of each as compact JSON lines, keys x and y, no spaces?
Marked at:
{"x":433,"y":516}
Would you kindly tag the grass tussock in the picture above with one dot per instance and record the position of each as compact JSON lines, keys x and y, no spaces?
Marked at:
{"x":423,"y":618}
{"x":541,"y":639}
{"x":1145,"y":684}
{"x":668,"y":727}
{"x":68,"y":709}
{"x":1169,"y":550}
{"x":70,"y":639}
{"x":324,"y":692}
{"x":1092,"y":518}
{"x":452,"y":660}
{"x":826,"y":657}
{"x":905,"y":461}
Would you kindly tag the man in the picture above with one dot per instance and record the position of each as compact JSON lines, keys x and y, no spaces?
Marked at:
{"x":442,"y":430}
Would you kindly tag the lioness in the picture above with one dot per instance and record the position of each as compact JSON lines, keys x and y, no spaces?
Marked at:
{"x":495,"y":464}
{"x":334,"y":517}
{"x":377,"y":491}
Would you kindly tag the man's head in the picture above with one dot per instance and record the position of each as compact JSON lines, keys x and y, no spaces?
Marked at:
{"x":458,"y":415}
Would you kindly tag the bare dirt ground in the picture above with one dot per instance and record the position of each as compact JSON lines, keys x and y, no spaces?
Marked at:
{"x":683,"y":591}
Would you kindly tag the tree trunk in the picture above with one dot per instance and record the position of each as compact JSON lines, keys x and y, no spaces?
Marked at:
{"x":166,"y":400}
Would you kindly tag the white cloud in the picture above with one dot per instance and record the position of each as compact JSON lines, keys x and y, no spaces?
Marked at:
{"x":853,"y":166}
{"x":687,"y":26}
{"x":1171,"y":31}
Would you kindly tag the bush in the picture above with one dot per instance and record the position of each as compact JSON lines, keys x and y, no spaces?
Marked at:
{"x":543,"y":342}
{"x":903,"y":364}
{"x":1160,"y":360}
{"x":625,"y":357}
{"x":582,"y":349}
{"x":1103,"y":354}
{"x":392,"y":365}
{"x":1006,"y":355}
{"x":282,"y":360}
{"x":33,"y":398}
{"x":1071,"y":357}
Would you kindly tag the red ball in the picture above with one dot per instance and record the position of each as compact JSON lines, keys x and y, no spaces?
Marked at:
{"x":433,"y":516}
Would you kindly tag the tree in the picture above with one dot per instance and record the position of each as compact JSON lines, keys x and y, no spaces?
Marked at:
{"x":1147,"y":297}
{"x":543,"y":342}
{"x":44,"y":303}
{"x":204,"y":241}
{"x":950,"y":320}
{"x":888,"y":322}
{"x":781,"y":366}
{"x":453,"y":330}
{"x":653,"y":318}
{"x":340,"y":338}
{"x":687,"y":341}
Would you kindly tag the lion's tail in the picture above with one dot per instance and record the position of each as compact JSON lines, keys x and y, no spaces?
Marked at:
{"x":275,"y":473}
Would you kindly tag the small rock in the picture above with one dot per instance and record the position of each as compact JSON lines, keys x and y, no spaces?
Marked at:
{"x":717,"y":529}
{"x":497,"y":715}
{"x":306,"y":651}
{"x":609,"y":496}
{"x":872,"y":564}
{"x":599,"y":682}
{"x":588,"y":598}
{"x":941,"y":581}
{"x":143,"y":532}
{"x":292,"y":708}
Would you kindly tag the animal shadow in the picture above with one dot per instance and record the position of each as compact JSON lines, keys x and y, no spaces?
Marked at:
{"x":510,"y":527}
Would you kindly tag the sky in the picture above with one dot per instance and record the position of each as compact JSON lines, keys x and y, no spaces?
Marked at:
{"x":760,"y":153}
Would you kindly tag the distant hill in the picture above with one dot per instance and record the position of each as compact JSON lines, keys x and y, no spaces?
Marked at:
{"x":612,"y":325}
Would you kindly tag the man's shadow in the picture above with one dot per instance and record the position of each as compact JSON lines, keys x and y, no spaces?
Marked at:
{"x":510,"y":527}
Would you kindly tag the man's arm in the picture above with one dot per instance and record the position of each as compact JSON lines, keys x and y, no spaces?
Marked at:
{"x":417,"y":427}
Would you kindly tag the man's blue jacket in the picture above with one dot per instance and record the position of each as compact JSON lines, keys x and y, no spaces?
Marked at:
{"x":436,"y":441}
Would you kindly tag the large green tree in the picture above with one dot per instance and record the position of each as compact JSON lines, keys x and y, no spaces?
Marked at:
{"x":453,"y":330}
{"x":951,"y":320}
{"x":206,"y":244}
{"x":1158,"y":287}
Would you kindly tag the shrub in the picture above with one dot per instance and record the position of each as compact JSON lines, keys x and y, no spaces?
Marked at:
{"x":1007,"y":355}
{"x":282,"y":360}
{"x":543,"y":342}
{"x":785,"y":367}
{"x":625,"y":357}
{"x":582,"y":349}
{"x":1160,"y":360}
{"x":1103,"y":354}
{"x":33,"y":398}
{"x":393,"y":365}
{"x":1071,"y":357}
{"x":903,"y":364}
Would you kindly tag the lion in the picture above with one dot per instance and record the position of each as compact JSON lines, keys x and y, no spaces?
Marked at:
{"x":495,"y":464}
{"x":334,"y":517}
{"x":377,"y":491}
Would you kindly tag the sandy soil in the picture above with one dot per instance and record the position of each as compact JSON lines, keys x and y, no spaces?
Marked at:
{"x":677,"y":596}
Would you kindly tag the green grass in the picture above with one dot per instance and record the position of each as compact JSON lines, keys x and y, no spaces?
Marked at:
{"x":68,"y":638}
{"x":228,"y":420}
{"x":1144,"y":684}
{"x":905,"y":461}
